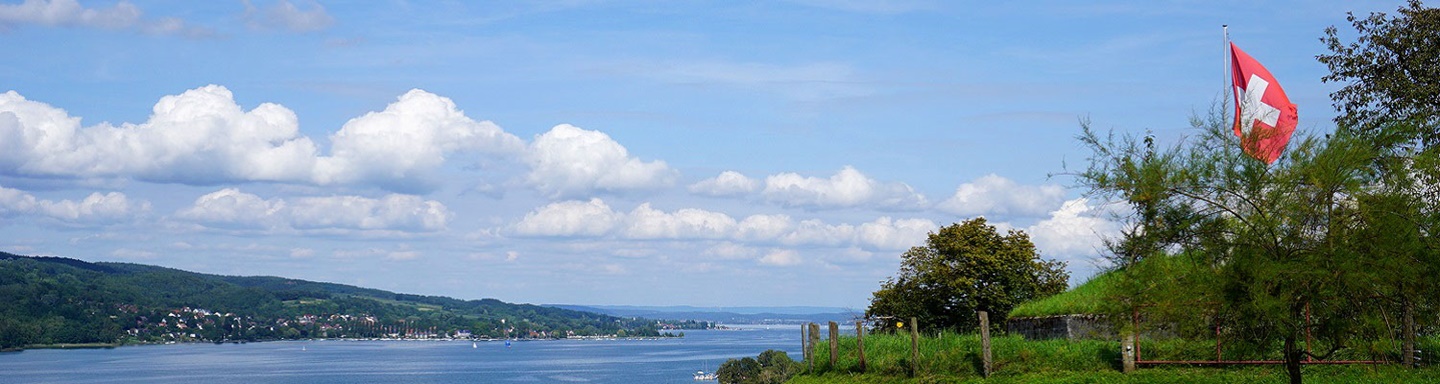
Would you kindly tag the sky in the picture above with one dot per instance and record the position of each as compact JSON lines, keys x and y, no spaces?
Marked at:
{"x":599,"y":152}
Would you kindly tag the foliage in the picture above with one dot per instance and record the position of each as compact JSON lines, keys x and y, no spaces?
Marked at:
{"x":951,"y":357}
{"x":1391,"y":76}
{"x":1275,"y":253}
{"x":964,"y":268}
{"x":51,"y":300}
{"x":771,"y":367}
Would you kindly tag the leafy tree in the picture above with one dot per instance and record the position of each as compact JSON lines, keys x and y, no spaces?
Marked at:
{"x":1391,"y":99}
{"x":1280,"y":242}
{"x":771,"y":367}
{"x":1391,"y":74}
{"x":963,"y":268}
{"x":738,"y":371}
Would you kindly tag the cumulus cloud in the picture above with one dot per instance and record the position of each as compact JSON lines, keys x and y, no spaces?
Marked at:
{"x":569,"y":218}
{"x":847,"y":188}
{"x":1076,"y":231}
{"x":70,"y":13}
{"x":992,"y":194}
{"x":232,"y":209}
{"x":764,"y":227}
{"x":728,"y":183}
{"x":411,"y":136}
{"x":890,"y":234}
{"x":95,"y":209}
{"x":203,"y":137}
{"x":596,"y":219}
{"x":570,"y":161}
{"x":781,"y":258}
{"x":648,"y":223}
{"x":285,"y":15}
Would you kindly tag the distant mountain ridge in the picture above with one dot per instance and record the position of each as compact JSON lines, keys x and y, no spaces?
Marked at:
{"x":728,"y":315}
{"x":55,"y":300}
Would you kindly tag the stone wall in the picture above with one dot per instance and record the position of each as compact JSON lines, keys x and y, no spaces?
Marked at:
{"x":1073,"y":327}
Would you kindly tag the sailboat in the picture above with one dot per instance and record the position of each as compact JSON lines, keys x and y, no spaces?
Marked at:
{"x":701,"y":375}
{"x":473,"y":345}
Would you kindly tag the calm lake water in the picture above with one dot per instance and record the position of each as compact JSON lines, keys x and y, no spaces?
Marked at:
{"x":549,"y":361}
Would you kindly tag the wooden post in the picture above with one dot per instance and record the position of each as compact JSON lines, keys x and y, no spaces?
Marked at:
{"x":860,"y":343}
{"x":1127,"y":354}
{"x":1408,"y":343}
{"x":914,"y":347}
{"x":985,"y":344}
{"x":814,"y":342}
{"x":804,"y":343}
{"x":834,"y":343}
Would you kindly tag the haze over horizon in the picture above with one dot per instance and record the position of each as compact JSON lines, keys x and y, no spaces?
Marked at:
{"x":596,"y":152}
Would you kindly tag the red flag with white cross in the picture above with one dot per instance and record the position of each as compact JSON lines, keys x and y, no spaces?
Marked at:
{"x":1264,"y":116}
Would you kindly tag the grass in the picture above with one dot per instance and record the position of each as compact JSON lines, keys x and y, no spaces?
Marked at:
{"x":955,"y":358}
{"x":1084,"y":298}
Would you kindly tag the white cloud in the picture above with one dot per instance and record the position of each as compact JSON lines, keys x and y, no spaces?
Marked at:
{"x":410,"y":137}
{"x":887,"y":234}
{"x":992,"y":194}
{"x":570,"y":218}
{"x":95,"y":209}
{"x":847,"y":188}
{"x":285,"y":15}
{"x":729,"y":251}
{"x":763,"y":227}
{"x":645,"y":222}
{"x":70,"y":13}
{"x":781,"y":258}
{"x":199,"y":136}
{"x":1074,"y":232}
{"x":570,"y":161}
{"x":728,"y":183}
{"x":233,"y":209}
{"x":202,"y":137}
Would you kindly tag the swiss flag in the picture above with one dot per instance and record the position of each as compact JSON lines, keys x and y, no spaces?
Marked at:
{"x":1264,"y":116}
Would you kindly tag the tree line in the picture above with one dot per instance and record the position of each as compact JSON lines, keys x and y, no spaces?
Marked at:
{"x":51,"y":300}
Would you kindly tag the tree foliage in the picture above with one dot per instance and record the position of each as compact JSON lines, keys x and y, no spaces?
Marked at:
{"x":964,"y":268}
{"x":48,"y":300}
{"x":1277,"y":253}
{"x":1391,"y":75}
{"x":771,"y":367}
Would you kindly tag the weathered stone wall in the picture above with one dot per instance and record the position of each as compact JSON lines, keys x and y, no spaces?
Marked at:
{"x":1073,"y":327}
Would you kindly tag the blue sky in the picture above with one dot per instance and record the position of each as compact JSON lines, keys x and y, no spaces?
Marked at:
{"x":596,"y":152}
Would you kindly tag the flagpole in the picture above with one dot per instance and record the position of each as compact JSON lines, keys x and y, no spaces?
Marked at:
{"x":1225,"y":32}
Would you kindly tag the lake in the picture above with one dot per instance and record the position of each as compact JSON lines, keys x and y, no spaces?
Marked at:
{"x":338,"y":361}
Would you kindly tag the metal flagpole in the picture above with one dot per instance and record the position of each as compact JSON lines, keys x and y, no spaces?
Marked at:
{"x":1225,"y":30}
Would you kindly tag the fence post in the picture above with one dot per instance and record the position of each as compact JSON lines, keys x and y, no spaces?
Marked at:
{"x":1408,"y":343}
{"x":985,"y":344}
{"x":814,"y":342}
{"x":1127,"y":353}
{"x":914,"y":347}
{"x":834,"y":343}
{"x":860,"y":343}
{"x":804,"y":343}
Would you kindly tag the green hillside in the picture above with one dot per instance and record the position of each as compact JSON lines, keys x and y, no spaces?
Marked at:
{"x":54,"y":300}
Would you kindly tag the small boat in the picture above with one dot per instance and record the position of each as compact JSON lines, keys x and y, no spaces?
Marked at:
{"x":473,"y":345}
{"x":703,"y":376}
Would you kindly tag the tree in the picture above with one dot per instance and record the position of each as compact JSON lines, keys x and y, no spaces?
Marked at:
{"x":738,"y":371}
{"x":1391,"y":98}
{"x":964,"y":268}
{"x":1391,"y":74}
{"x":1280,"y":241}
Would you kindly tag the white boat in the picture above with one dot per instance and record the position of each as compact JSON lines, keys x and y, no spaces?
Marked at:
{"x":703,"y":376}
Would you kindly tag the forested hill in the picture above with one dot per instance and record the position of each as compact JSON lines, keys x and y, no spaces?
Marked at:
{"x":54,"y":300}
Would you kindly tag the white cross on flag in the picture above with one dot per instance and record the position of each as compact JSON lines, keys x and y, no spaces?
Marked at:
{"x":1264,"y":116}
